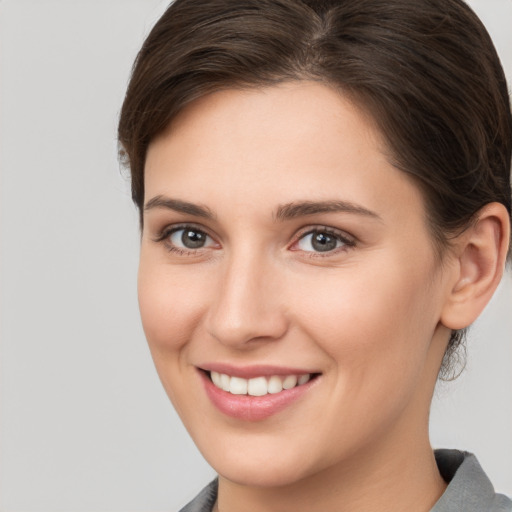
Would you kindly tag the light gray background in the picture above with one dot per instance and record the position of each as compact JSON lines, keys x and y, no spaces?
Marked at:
{"x":85,"y":425}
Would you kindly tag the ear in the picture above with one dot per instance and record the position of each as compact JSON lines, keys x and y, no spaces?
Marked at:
{"x":480,"y":255}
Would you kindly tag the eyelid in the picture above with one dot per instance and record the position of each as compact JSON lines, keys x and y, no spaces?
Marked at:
{"x":163,"y":235}
{"x":168,"y":229}
{"x":347,"y":239}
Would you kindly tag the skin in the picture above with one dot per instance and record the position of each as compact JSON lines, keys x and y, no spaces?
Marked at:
{"x":372,"y":316}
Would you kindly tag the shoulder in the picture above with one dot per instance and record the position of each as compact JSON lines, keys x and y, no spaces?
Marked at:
{"x":469,"y":488}
{"x":205,"y":500}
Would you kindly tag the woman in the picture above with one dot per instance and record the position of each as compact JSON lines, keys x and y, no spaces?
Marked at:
{"x":324,"y":196}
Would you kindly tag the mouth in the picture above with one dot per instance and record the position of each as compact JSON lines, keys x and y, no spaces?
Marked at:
{"x":258,"y":386}
{"x":260,"y":394}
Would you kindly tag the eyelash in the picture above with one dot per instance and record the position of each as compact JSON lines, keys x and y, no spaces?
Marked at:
{"x":166,"y":232}
{"x":347,"y":240}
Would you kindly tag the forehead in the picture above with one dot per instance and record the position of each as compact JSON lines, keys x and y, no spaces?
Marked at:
{"x":300,"y":140}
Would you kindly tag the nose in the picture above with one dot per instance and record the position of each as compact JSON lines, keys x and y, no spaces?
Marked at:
{"x":247,"y":308}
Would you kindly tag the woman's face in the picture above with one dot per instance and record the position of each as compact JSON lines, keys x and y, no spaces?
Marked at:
{"x":280,"y":245}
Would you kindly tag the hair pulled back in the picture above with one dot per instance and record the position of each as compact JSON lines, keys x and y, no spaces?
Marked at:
{"x":426,"y":71}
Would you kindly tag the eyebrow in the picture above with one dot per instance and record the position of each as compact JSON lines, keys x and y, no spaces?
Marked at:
{"x":303,"y":208}
{"x":179,"y":206}
{"x":284,"y":212}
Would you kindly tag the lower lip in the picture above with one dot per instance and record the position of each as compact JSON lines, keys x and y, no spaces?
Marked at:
{"x":253,"y":408}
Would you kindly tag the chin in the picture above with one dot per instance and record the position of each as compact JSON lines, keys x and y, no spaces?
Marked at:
{"x":258,"y":475}
{"x":255,"y":465}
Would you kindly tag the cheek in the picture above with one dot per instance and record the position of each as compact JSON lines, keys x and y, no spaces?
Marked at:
{"x":376,"y":330}
{"x":170,"y":304}
{"x":170,"y":307}
{"x":374,"y":325}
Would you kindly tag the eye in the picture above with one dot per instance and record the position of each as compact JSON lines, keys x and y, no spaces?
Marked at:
{"x":183,"y":239}
{"x":189,"y":238}
{"x":323,"y":240}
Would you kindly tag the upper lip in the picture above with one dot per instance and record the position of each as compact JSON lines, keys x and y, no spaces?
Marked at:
{"x":252,"y":371}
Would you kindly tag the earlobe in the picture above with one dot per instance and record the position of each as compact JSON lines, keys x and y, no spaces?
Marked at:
{"x":481,"y":252}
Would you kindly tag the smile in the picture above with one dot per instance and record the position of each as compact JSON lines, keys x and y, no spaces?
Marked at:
{"x":256,"y":393}
{"x":258,"y":386}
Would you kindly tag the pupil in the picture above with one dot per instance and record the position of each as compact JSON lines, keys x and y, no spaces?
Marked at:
{"x":323,"y":242}
{"x":193,"y":239}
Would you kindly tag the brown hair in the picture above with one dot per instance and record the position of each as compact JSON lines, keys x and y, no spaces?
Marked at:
{"x":426,"y":70}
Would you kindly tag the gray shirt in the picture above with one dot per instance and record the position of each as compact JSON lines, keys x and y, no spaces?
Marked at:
{"x":469,"y":489}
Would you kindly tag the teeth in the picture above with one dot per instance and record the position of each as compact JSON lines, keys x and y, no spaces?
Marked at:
{"x":258,"y":386}
{"x":238,"y":386}
{"x":216,"y":379}
{"x":225,"y":381}
{"x":303,"y":379}
{"x":290,"y":382}
{"x":275,"y":384}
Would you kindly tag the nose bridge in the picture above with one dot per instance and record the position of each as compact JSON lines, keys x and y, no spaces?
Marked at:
{"x":246,"y":306}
